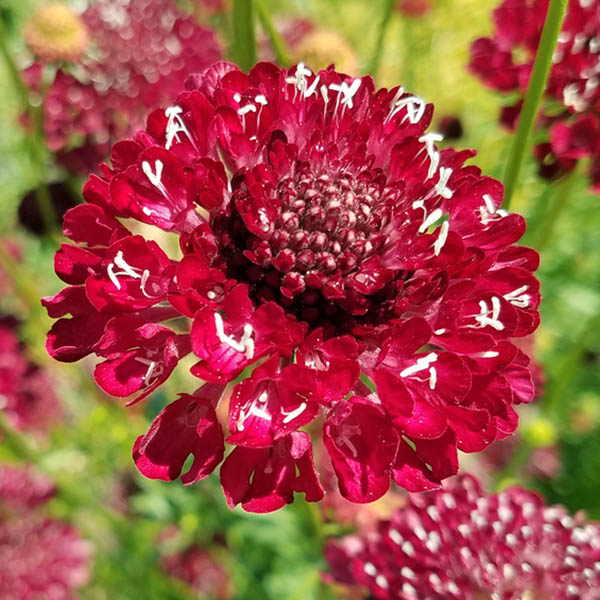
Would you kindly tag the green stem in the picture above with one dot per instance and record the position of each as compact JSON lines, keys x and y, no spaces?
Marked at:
{"x":386,"y":16}
{"x":244,"y":34}
{"x":533,"y":96}
{"x":558,"y":203}
{"x":282,"y":55}
{"x":408,"y":66}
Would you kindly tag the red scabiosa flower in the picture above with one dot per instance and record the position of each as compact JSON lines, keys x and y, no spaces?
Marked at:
{"x":322,"y":235}
{"x":142,"y":52}
{"x":462,"y":543}
{"x":569,"y":115}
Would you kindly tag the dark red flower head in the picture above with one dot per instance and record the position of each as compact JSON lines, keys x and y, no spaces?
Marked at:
{"x":569,"y":113}
{"x":41,"y":557}
{"x":26,"y":392}
{"x":461,"y":543}
{"x":322,"y":235}
{"x":142,"y":52}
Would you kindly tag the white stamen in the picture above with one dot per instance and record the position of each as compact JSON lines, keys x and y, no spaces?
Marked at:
{"x":175,"y":125}
{"x":573,"y":98}
{"x":294,"y":413}
{"x":155,"y":369}
{"x":112,"y":276}
{"x":441,"y":331}
{"x":143,"y":282}
{"x":430,"y":220}
{"x":432,"y":378}
{"x":246,"y":343}
{"x":487,"y":354}
{"x":299,"y":79}
{"x":415,"y":109}
{"x":155,"y":177}
{"x":421,"y":365}
{"x":441,"y":187}
{"x":441,"y":238}
{"x":518,"y":298}
{"x":382,"y":582}
{"x":483,"y":318}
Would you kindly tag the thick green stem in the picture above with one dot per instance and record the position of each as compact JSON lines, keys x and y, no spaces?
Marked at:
{"x":533,"y":96}
{"x":282,"y":55}
{"x":244,"y":35}
{"x":386,"y":15}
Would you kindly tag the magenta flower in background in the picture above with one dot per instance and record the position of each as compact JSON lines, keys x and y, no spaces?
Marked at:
{"x":27,"y":396}
{"x":321,"y":235}
{"x":142,"y":52}
{"x":570,"y":114}
{"x":200,"y":571}
{"x":41,"y":557}
{"x":462,"y":543}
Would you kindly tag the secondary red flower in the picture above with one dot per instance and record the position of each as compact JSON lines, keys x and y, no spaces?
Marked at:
{"x":142,"y":52}
{"x":26,"y":392}
{"x":322,"y":235}
{"x":569,"y":116}
{"x":459,"y":542}
{"x":41,"y":557}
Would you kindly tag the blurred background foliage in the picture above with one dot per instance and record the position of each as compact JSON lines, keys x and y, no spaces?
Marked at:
{"x":129,"y":518}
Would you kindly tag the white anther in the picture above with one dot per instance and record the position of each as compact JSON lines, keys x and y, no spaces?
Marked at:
{"x":112,"y":276}
{"x":313,"y":87}
{"x":434,"y":542}
{"x":441,"y":187}
{"x":573,"y":98}
{"x":237,"y":97}
{"x":578,"y":43}
{"x":408,"y":589}
{"x":246,"y":343}
{"x":526,"y":531}
{"x":433,"y":513}
{"x":518,"y":298}
{"x":422,"y":364}
{"x":449,"y":501}
{"x":346,"y":91}
{"x":590,"y":86}
{"x":175,"y":126}
{"x":415,"y":109}
{"x":505,"y":514}
{"x":246,"y":109}
{"x":453,"y":588}
{"x":395,"y":536}
{"x":261,"y":99}
{"x":143,"y":282}
{"x":430,"y":220}
{"x":464,"y":529}
{"x":294,"y":413}
{"x":434,"y":579}
{"x":154,"y":371}
{"x":594,"y":44}
{"x":299,"y":79}
{"x":382,"y":582}
{"x":440,"y":331}
{"x":155,"y":177}
{"x":489,"y":210}
{"x":325,"y":96}
{"x":429,"y":140}
{"x":408,"y":548}
{"x":370,"y":569}
{"x":407,"y":572}
{"x":486,"y":354}
{"x":511,"y":539}
{"x":432,"y":378}
{"x":483,"y":318}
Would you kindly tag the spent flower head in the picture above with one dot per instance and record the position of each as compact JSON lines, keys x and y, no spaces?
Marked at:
{"x":322,"y":235}
{"x":461,"y":543}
